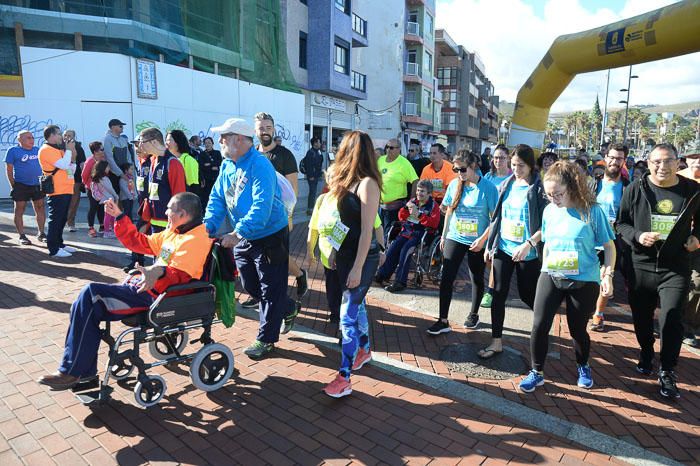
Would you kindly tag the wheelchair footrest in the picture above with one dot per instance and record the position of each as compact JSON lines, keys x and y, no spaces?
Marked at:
{"x":91,"y":391}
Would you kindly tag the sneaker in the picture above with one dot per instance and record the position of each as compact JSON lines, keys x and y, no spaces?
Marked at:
{"x":41,"y":237}
{"x":102,"y":229}
{"x":486,"y":300}
{"x":645,"y":368}
{"x":395,"y":287}
{"x":302,"y":285}
{"x":72,"y":228}
{"x":62,"y":253}
{"x":250,"y":303}
{"x":92,"y":233}
{"x":690,"y":340}
{"x":584,"y":376}
{"x":667,"y":379}
{"x":363,"y":357}
{"x":339,"y":387}
{"x":533,"y":380}
{"x":288,"y":323}
{"x":472,"y":321}
{"x":598,"y":322}
{"x":128,"y":267}
{"x":109,"y":235}
{"x":439,"y":327}
{"x":69,"y":249}
{"x":23,"y":240}
{"x":258,"y":349}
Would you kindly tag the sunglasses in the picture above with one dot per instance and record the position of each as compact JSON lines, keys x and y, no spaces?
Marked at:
{"x":460,"y":169}
{"x":392,"y":147}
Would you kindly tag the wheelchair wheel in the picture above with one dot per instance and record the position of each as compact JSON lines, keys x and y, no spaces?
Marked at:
{"x":150,"y":392}
{"x":121,"y":368}
{"x":160,"y":350}
{"x":211,"y":367}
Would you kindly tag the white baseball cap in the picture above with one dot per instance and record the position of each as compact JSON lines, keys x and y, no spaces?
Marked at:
{"x":235,"y":126}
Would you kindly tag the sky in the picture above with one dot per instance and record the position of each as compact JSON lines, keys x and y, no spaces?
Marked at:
{"x":511,"y":37}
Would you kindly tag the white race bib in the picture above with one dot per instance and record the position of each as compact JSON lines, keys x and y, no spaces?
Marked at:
{"x":153,"y":192}
{"x":467,"y":226}
{"x":663,"y":224}
{"x":513,"y":230}
{"x":338,"y":234}
{"x":562,"y":262}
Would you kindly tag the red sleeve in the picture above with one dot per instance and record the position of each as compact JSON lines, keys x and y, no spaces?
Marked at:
{"x":433,"y":220}
{"x":131,"y":238}
{"x":172,"y":277}
{"x":85,"y":174}
{"x":176,"y":178}
{"x":403,"y":214}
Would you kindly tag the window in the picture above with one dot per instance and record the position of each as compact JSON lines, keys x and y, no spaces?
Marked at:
{"x":412,"y":56}
{"x":359,"y":81}
{"x":450,"y":98}
{"x":427,"y":101}
{"x":302,"y":49}
{"x":428,"y":62}
{"x":428,"y":25}
{"x":342,"y":58}
{"x":448,"y":120}
{"x":447,"y":76}
{"x":303,"y":1}
{"x":343,"y":5}
{"x":359,"y":25}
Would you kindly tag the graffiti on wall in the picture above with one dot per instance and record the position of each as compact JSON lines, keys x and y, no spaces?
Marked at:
{"x":10,"y":125}
{"x":177,"y":124}
{"x":293,"y":142}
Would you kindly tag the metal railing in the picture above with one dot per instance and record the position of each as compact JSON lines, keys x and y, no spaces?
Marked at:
{"x":413,"y":69}
{"x":411,"y":109}
{"x":413,"y":29}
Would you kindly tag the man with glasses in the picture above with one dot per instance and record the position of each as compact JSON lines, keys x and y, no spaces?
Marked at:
{"x":248,"y":193}
{"x":397,"y":173}
{"x":166,"y":178}
{"x":659,"y":219}
{"x":23,"y":172}
{"x":415,"y":156}
{"x":118,"y":151}
{"x":609,"y":194}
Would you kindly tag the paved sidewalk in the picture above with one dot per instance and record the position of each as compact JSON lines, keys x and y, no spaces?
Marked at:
{"x":274,"y":412}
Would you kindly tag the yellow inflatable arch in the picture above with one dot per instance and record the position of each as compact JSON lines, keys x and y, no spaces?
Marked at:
{"x":667,"y":32}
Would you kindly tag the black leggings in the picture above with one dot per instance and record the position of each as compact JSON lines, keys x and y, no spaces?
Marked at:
{"x":453,"y":255}
{"x":95,"y":208}
{"x":670,"y":290}
{"x":580,"y":305}
{"x":502,"y":271}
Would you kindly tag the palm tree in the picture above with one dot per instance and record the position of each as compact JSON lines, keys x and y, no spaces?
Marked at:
{"x":569,"y":124}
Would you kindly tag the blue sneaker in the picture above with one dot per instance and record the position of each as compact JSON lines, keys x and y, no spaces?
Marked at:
{"x":584,"y":376}
{"x":533,"y":380}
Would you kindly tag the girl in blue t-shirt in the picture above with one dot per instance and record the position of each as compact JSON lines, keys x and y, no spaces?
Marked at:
{"x":573,"y":225}
{"x":515,"y":233}
{"x":470,"y":201}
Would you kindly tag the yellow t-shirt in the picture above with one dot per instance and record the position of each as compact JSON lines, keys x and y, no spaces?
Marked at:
{"x":191,"y":167}
{"x":440,"y":180}
{"x":62,"y":183}
{"x":395,"y":176}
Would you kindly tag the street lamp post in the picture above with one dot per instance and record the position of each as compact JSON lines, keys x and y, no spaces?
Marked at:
{"x":627,"y":103}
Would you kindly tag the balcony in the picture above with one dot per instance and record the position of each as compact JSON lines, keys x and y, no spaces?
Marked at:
{"x":413,"y":33}
{"x":359,"y":81}
{"x":413,"y":69}
{"x":359,"y":31}
{"x":410,"y":109}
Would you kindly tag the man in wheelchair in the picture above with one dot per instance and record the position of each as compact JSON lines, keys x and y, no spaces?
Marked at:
{"x":181,"y":251}
{"x":420,"y":214}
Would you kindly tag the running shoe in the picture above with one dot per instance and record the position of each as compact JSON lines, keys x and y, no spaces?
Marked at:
{"x":62,"y":253}
{"x":41,"y":237}
{"x":23,"y":240}
{"x":72,"y":228}
{"x":258,"y":349}
{"x":395,"y":287}
{"x":339,"y":387}
{"x":585,"y":380}
{"x":363,"y":357}
{"x":109,"y":235}
{"x":302,"y":285}
{"x":645,"y":367}
{"x":472,"y":321}
{"x":533,"y":380}
{"x":250,"y":303}
{"x":289,"y":319}
{"x":92,"y":233}
{"x":486,"y":300}
{"x":69,"y":249}
{"x":439,"y":327}
{"x":598,"y":322}
{"x":667,"y":379}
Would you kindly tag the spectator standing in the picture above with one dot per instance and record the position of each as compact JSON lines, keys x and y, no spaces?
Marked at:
{"x":311,"y":166}
{"x":247,"y":191}
{"x":286,"y":165}
{"x":127,"y":190}
{"x":486,"y":160}
{"x":397,"y":172}
{"x":415,"y":156}
{"x":177,"y":144}
{"x":23,"y":172}
{"x":210,"y":172}
{"x":117,"y":150}
{"x":102,"y":191}
{"x":98,"y":155}
{"x":57,"y":159}
{"x":659,"y":219}
{"x":77,"y":179}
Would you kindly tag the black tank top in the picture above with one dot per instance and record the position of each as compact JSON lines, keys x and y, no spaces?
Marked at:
{"x":350,"y":210}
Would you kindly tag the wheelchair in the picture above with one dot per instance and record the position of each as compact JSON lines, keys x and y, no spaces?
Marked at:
{"x":165,"y":327}
{"x":426,"y":258}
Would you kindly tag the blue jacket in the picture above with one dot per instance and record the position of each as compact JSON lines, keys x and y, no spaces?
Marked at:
{"x":248,"y":191}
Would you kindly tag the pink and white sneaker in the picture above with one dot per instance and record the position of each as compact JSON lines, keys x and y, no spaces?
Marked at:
{"x":339,"y":387}
{"x":362,"y":358}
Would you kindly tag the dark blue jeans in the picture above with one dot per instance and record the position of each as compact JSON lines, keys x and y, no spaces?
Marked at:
{"x":399,"y":254}
{"x":313,"y":189}
{"x":263,"y":265}
{"x":58,"y":215}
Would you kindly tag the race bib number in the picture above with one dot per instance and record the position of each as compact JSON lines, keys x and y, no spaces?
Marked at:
{"x":663,"y":224}
{"x":563,"y":262}
{"x":513,"y":230}
{"x":437,"y":185}
{"x":140,"y":183}
{"x":166,"y":252}
{"x":153,"y":192}
{"x":412,"y":218}
{"x":338,"y":234}
{"x":467,"y":226}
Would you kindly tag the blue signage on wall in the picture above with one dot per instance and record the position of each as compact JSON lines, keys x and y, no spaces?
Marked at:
{"x":615,"y":41}
{"x":147,"y":87}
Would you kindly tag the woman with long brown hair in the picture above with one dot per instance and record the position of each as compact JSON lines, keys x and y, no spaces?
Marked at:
{"x":471,"y":199}
{"x":573,"y":225}
{"x":356,"y":184}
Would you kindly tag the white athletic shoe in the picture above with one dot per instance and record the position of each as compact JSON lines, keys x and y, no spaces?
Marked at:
{"x":62,"y":253}
{"x":69,"y":249}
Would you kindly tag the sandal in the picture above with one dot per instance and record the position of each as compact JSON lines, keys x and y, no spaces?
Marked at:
{"x":488,"y":353}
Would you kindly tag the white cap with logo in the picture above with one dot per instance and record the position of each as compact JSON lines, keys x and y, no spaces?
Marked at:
{"x":235,"y":126}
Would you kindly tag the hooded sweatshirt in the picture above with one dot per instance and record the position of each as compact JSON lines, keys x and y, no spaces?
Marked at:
{"x":118,"y":152}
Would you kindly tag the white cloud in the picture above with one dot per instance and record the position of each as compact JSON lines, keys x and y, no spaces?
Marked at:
{"x":511,"y":40}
